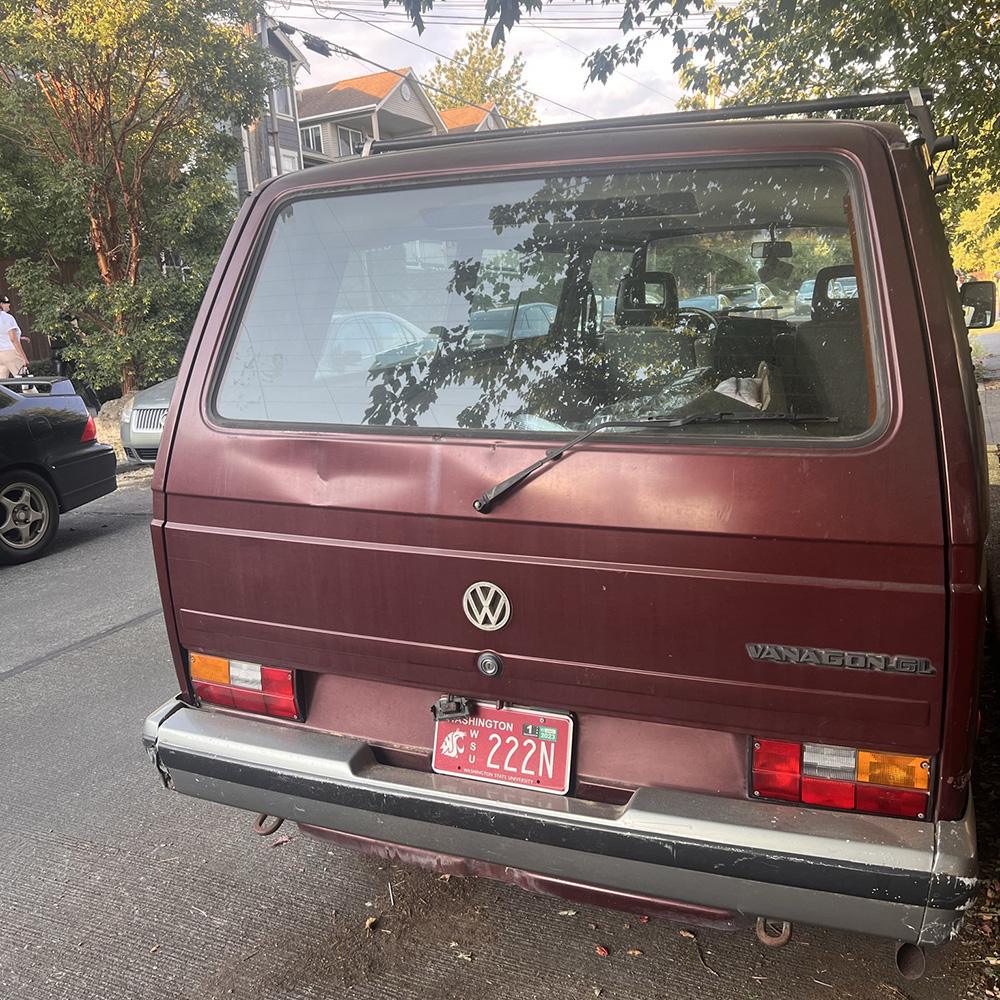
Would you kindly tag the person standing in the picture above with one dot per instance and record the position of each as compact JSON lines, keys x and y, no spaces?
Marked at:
{"x":13,"y":360}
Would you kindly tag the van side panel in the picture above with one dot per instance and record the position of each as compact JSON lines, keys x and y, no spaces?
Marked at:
{"x":965,"y":478}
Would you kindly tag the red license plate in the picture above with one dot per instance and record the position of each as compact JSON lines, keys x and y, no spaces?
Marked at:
{"x":508,"y":746}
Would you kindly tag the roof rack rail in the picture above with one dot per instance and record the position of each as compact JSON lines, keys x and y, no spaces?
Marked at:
{"x":916,"y":100}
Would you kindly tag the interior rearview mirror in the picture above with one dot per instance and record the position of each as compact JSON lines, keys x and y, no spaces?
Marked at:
{"x":979,"y":304}
{"x":767,"y":249}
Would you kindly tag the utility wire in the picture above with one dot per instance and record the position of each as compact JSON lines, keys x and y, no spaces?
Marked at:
{"x":577,"y":22}
{"x":451,"y":59}
{"x":351,"y":54}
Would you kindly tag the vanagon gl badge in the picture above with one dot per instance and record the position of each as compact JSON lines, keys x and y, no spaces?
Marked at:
{"x":486,"y":606}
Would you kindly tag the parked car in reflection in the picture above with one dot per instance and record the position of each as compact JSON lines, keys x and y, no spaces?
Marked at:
{"x":371,"y":341}
{"x":492,"y":327}
{"x":142,"y":421}
{"x":844,"y":288}
{"x":804,"y":297}
{"x":751,"y":296}
{"x":710,"y":303}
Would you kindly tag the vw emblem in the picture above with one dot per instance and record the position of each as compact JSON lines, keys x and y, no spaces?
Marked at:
{"x":486,"y":606}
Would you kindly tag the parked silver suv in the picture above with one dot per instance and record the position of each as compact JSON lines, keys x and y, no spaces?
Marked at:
{"x":142,"y":421}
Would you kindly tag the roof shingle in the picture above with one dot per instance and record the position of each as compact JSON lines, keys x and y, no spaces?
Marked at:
{"x":466,"y":117}
{"x":354,"y":92}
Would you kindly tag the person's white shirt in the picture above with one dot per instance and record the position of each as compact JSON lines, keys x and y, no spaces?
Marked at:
{"x":10,"y":332}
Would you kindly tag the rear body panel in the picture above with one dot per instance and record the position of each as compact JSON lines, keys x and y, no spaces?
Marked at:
{"x":349,"y":553}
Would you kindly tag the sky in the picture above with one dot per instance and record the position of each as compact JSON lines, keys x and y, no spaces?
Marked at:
{"x":553,"y":43}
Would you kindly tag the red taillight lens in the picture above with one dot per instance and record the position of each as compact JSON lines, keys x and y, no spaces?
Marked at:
{"x":826,"y":792}
{"x":89,"y":432}
{"x":892,"y":801}
{"x":248,"y":687}
{"x":838,"y":777}
{"x":777,"y":769}
{"x":278,"y":688}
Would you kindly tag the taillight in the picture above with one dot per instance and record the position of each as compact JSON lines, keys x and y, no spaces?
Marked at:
{"x":248,"y":687}
{"x":89,"y":432}
{"x":841,"y":778}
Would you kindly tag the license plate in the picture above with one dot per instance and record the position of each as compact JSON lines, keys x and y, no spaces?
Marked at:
{"x":507,"y":746}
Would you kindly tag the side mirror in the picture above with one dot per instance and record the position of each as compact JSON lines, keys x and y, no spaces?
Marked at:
{"x":979,"y":304}
{"x":770,"y":249}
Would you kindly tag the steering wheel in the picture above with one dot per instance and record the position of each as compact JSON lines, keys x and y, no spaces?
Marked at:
{"x":713,"y":320}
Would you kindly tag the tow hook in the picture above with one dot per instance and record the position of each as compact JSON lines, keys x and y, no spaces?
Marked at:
{"x":265,"y":825}
{"x":451,"y":706}
{"x":773,"y":933}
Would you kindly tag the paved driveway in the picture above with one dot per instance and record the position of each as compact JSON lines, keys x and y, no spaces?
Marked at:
{"x":113,"y":889}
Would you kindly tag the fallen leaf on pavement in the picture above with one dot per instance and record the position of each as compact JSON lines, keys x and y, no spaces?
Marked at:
{"x":370,"y":923}
{"x":601,"y":950}
{"x":154,"y":949}
{"x":643,"y":920}
{"x":444,"y":878}
{"x":283,"y":839}
{"x":567,"y":913}
{"x":634,"y":952}
{"x":466,"y":956}
{"x":688,"y":935}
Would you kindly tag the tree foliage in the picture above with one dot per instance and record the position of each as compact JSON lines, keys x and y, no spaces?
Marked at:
{"x":479,"y":73}
{"x":769,"y":50}
{"x":976,"y":242}
{"x":118,"y":111}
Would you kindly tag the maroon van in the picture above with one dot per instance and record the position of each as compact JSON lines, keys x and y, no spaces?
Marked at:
{"x":492,"y":537}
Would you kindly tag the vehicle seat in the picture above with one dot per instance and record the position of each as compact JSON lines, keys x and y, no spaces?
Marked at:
{"x":631,"y":308}
{"x":823,"y":362}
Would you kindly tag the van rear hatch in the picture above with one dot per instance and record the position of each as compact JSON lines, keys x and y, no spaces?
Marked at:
{"x":770,"y":565}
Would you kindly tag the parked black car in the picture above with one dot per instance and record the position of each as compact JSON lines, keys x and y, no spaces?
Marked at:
{"x":50,"y":462}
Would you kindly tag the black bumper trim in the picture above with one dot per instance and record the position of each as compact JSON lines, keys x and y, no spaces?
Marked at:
{"x":915,"y":888}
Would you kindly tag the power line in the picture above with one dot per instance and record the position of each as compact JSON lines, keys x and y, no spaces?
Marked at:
{"x":351,"y":54}
{"x":441,"y":55}
{"x":576,"y":22}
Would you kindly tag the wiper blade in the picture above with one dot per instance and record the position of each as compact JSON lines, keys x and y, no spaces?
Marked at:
{"x":485,"y":502}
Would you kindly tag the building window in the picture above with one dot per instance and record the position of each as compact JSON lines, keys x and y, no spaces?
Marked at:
{"x":312,"y":138}
{"x":349,"y":139}
{"x":284,"y":101}
{"x":289,"y":162}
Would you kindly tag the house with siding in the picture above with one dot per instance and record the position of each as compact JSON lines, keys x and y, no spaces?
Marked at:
{"x":473,"y":118}
{"x":257,"y":159}
{"x":336,"y":119}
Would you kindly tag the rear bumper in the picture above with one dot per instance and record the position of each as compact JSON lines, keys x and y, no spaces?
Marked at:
{"x":86,"y":476}
{"x":895,"y":878}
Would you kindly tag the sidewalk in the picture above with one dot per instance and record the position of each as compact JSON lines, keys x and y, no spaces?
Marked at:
{"x":988,"y":373}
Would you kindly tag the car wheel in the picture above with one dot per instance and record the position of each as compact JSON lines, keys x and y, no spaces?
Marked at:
{"x":29,"y":516}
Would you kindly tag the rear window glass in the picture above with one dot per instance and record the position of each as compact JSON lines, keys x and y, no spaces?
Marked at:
{"x":556,"y":303}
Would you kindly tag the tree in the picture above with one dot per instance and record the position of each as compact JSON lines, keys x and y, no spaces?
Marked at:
{"x":476,"y":74}
{"x":976,"y":244}
{"x":766,"y":50}
{"x":121,"y":108}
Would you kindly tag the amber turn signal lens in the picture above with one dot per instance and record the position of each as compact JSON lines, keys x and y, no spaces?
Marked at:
{"x":213,"y":669}
{"x":897,"y":770}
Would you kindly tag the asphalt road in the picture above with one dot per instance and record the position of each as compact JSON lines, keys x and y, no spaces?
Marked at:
{"x":112,"y":888}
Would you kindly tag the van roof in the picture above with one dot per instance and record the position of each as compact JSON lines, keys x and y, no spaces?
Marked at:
{"x":611,"y":145}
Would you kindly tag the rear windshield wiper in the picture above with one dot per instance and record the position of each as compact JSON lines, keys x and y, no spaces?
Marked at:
{"x":486,"y":501}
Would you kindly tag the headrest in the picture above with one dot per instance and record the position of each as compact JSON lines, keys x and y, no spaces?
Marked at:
{"x":633,"y":305}
{"x":825,"y":307}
